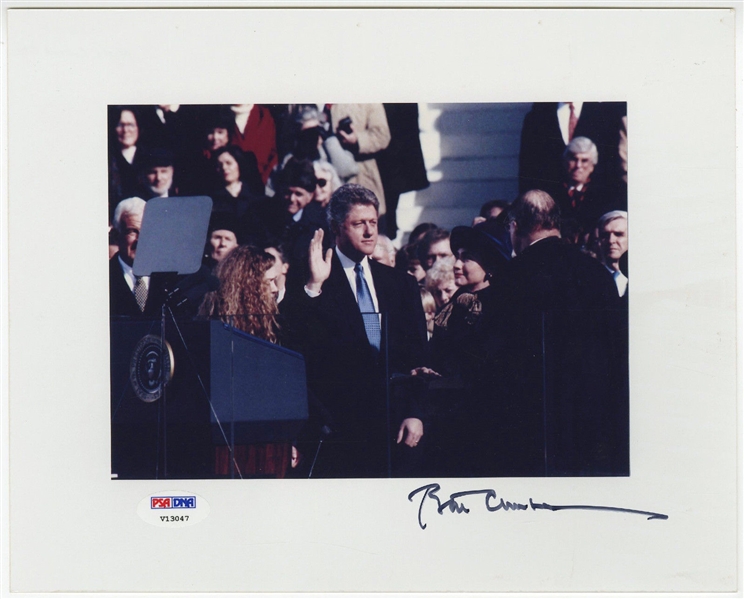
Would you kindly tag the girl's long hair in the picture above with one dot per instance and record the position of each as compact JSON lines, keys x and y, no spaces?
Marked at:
{"x":244,"y":298}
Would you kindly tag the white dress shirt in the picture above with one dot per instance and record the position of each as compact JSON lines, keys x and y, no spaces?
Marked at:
{"x":129,"y":153}
{"x":564,"y":114}
{"x":161,"y":113}
{"x":349,"y":265}
{"x":621,"y":281}
{"x":129,"y":275}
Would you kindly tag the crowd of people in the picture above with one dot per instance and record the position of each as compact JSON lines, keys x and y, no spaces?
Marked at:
{"x":496,"y":348}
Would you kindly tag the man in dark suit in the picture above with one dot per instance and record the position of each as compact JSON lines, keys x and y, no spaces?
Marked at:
{"x":130,"y":295}
{"x":401,"y":164}
{"x":361,"y":322}
{"x":177,"y":128}
{"x":581,"y":195}
{"x":292,"y":216}
{"x":157,"y":175}
{"x":550,"y":126}
{"x":564,"y":410}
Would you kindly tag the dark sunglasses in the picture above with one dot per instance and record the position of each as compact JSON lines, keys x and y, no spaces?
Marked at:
{"x":322,"y":182}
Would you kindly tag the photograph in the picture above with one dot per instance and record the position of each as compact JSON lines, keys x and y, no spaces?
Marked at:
{"x":487,"y":335}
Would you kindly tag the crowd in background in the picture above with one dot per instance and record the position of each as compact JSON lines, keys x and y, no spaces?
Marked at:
{"x":271,"y":171}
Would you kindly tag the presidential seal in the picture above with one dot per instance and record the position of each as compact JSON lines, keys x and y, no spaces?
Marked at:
{"x":151,"y":367}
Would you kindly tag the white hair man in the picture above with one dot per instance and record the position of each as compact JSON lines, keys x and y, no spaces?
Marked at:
{"x":581,"y":199}
{"x":129,"y":295}
{"x":612,"y":230}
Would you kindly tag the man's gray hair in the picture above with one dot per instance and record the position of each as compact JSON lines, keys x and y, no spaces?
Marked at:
{"x":129,"y":206}
{"x":345,"y":198}
{"x":610,"y":216}
{"x":307,"y":113}
{"x":581,"y":145}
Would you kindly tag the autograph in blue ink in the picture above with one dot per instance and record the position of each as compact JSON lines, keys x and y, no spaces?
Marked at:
{"x":494,"y":503}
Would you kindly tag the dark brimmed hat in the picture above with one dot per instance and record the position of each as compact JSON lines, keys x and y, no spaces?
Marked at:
{"x":219,"y":117}
{"x":298,"y":173}
{"x":158,"y":157}
{"x":226,"y":221}
{"x":488,"y":240}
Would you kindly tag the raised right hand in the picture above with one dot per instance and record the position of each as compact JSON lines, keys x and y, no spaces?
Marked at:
{"x":320,"y":265}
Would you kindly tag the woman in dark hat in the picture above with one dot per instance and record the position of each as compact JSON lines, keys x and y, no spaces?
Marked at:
{"x":460,"y":352}
{"x":480,"y":260}
{"x":217,"y":123}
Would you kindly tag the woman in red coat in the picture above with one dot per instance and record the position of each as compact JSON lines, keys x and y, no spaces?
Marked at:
{"x":254,"y":131}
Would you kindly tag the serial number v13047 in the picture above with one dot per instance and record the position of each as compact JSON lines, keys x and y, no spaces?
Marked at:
{"x":174,"y":518}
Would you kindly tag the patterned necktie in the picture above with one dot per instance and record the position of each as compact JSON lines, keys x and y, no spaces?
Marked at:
{"x":572,"y":120}
{"x":140,"y":292}
{"x":367,"y":308}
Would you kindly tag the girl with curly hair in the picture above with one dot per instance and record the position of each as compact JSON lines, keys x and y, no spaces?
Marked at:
{"x":246,"y":299}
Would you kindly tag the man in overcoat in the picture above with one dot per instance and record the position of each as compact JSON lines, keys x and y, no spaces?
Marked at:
{"x":564,"y":400}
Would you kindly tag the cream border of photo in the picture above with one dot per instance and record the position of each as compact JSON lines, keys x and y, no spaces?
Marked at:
{"x":69,"y":528}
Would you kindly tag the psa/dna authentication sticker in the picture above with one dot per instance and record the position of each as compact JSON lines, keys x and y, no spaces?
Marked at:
{"x":173,"y":509}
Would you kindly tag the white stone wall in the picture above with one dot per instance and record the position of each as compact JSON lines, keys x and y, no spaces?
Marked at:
{"x":471,"y":153}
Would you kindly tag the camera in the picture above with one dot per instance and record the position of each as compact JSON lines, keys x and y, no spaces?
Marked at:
{"x":345,"y":125}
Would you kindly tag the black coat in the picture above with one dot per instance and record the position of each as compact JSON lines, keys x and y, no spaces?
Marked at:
{"x":182,"y":131}
{"x":347,"y":375}
{"x":267,"y":220}
{"x":460,"y":406}
{"x":541,"y":148}
{"x":585,"y":207}
{"x":124,"y":177}
{"x":401,"y":164}
{"x":121,"y":298}
{"x":562,"y":391}
{"x":296,"y":236}
{"x":224,"y":201}
{"x":183,"y":134}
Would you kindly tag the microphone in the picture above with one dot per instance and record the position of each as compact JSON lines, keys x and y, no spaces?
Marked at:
{"x":192,"y":289}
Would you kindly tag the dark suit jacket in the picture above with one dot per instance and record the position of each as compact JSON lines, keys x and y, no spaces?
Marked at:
{"x":223,"y":201}
{"x":595,"y":201}
{"x":346,"y":374}
{"x":542,"y":146}
{"x":297,"y":235}
{"x":123,"y":177}
{"x":401,"y":164}
{"x":121,"y":298}
{"x":268,"y":219}
{"x":182,"y":129}
{"x":564,"y":377}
